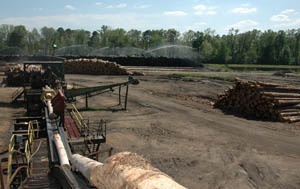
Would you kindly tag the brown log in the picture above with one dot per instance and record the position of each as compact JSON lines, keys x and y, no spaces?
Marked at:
{"x":276,"y":94}
{"x":286,"y":99}
{"x":288,"y":110}
{"x":287,"y":114}
{"x":297,"y":106}
{"x":266,"y":100}
{"x":287,"y":102}
{"x":291,"y":119}
{"x":280,"y":89}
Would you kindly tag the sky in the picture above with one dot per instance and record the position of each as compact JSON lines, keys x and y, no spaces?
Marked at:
{"x":182,"y":15}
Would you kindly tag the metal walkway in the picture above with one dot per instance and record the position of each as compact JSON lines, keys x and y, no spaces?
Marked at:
{"x":40,"y":169}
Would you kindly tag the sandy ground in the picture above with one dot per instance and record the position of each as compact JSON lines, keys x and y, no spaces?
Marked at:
{"x":171,"y":122}
{"x":8,"y":114}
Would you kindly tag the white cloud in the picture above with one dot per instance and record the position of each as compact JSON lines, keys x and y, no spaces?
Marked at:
{"x":175,"y":13}
{"x":200,"y":7}
{"x":91,"y":21}
{"x":99,"y":3}
{"x":244,"y":10}
{"x":196,"y":26}
{"x":243,"y":24}
{"x":70,"y":7}
{"x":204,"y":10}
{"x":119,"y":6}
{"x":288,"y":11}
{"x":280,"y":18}
{"x":294,"y":23}
{"x":211,"y":12}
{"x":142,"y":6}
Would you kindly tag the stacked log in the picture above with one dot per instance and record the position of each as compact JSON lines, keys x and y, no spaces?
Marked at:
{"x":262,"y":100}
{"x":94,"y":66}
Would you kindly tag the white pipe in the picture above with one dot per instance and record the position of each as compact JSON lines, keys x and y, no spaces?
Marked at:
{"x":62,"y":154}
{"x":123,"y":170}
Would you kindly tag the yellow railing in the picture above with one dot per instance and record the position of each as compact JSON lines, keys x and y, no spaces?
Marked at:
{"x":28,"y":147}
{"x":78,"y":118}
{"x":11,"y":147}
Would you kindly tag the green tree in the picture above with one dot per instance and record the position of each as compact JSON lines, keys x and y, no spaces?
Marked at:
{"x":17,"y":37}
{"x":267,"y":50}
{"x":117,"y":38}
{"x":94,"y":40}
{"x":104,"y":34}
{"x":222,"y":53}
{"x":172,"y":36}
{"x":135,"y":38}
{"x":47,"y":40}
{"x":189,"y":37}
{"x":81,"y":37}
{"x":207,"y":51}
{"x":199,"y":39}
{"x":33,"y":42}
{"x":297,"y":47}
{"x":5,"y":31}
{"x":286,"y":55}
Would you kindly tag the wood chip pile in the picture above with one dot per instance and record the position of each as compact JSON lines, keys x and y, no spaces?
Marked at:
{"x":263,"y":100}
{"x":94,"y":66}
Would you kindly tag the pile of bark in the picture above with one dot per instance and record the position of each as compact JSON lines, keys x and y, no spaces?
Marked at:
{"x":94,"y":66}
{"x":263,"y":100}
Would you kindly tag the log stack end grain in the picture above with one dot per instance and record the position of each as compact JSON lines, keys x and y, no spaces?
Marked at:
{"x":262,"y":100}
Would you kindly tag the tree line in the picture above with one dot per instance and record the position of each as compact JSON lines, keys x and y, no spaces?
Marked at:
{"x":252,"y":47}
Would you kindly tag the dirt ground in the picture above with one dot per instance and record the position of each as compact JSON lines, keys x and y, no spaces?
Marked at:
{"x":171,"y":122}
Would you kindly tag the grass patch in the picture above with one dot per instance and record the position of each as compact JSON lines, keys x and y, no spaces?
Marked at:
{"x":220,"y":67}
{"x":222,"y":78}
{"x":251,"y":67}
{"x":263,"y":66}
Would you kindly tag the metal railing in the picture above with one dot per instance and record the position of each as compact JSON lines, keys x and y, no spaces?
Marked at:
{"x":31,"y":134}
{"x":16,"y":154}
{"x":94,"y":132}
{"x":79,"y":120}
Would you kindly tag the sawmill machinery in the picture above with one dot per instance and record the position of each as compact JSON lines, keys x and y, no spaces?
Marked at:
{"x":71,"y":94}
{"x":37,"y":74}
{"x":54,"y":147}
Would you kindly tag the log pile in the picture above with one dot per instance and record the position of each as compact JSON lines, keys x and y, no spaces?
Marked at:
{"x":262,"y":100}
{"x":94,"y":66}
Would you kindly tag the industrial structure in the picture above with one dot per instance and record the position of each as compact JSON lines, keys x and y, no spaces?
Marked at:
{"x":53,"y":146}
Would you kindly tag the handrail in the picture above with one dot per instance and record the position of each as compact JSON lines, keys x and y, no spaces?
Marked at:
{"x":28,"y":148}
{"x":11,"y":147}
{"x":1,"y":160}
{"x":78,"y":118}
{"x":15,"y":174}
